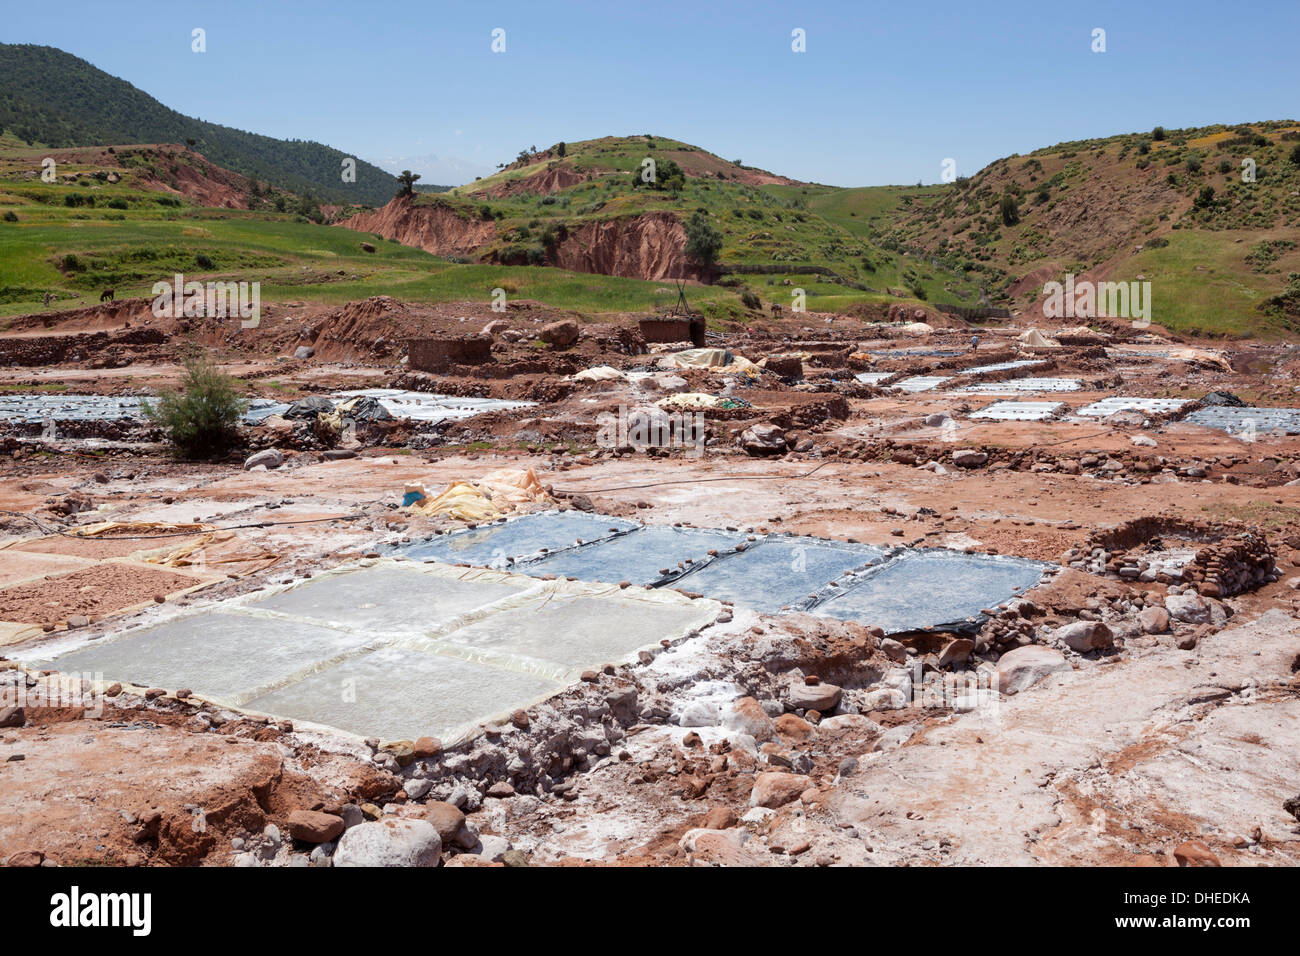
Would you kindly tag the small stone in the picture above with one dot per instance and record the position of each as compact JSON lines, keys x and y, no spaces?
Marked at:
{"x":1195,"y":853}
{"x":426,"y":747}
{"x":313,"y":826}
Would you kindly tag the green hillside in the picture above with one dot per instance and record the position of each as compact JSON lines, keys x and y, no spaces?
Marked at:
{"x":55,"y":99}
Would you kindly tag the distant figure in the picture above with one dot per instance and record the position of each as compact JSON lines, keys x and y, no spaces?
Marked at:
{"x":974,"y":342}
{"x":776,"y":310}
{"x":106,"y":295}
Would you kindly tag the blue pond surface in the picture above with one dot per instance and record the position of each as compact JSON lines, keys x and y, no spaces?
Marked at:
{"x":930,"y":588}
{"x":897,"y":589}
{"x":647,"y":556}
{"x":779,"y":572}
{"x":497,"y":545}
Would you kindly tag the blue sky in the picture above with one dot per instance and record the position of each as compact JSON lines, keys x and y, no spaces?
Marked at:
{"x":884,"y":93}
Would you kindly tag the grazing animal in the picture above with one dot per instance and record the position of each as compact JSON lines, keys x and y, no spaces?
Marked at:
{"x":776,"y":309}
{"x":106,"y":295}
{"x":49,"y":297}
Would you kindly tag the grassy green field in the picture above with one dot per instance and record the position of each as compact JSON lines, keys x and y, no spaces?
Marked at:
{"x":76,"y":238}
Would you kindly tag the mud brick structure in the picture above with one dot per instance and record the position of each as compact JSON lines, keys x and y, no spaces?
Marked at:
{"x":436,"y":354}
{"x":674,"y":329}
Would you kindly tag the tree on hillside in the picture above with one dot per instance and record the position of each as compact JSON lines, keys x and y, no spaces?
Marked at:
{"x":1295,"y":154}
{"x":703,"y":242}
{"x":1010,"y":210}
{"x":407,"y":183}
{"x":1158,"y":133}
{"x":561,"y":149}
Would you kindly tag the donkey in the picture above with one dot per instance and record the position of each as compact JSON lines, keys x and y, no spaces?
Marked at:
{"x":106,"y":296}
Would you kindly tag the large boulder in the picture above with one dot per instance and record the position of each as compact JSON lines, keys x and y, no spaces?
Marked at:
{"x":775,"y":789}
{"x":969,"y":458}
{"x":560,"y":335}
{"x":268,"y":458}
{"x":763,"y":440}
{"x":1026,"y":666}
{"x":449,"y":820}
{"x":822,"y":698}
{"x":1153,"y":620}
{"x":747,"y":716}
{"x":1085,"y":636}
{"x":1188,"y":607}
{"x":390,"y":842}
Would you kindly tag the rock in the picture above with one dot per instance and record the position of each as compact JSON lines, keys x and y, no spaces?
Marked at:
{"x":449,"y":821}
{"x":720,"y":818}
{"x":390,"y":842}
{"x":560,"y":334}
{"x":304,"y":352}
{"x":1025,"y":666}
{"x":1188,"y":607}
{"x":969,"y":458}
{"x":793,"y":728}
{"x":623,"y":704}
{"x":1195,"y":853}
{"x":496,"y":327}
{"x":500,"y":790}
{"x":822,"y":698}
{"x":313,"y":826}
{"x":268,"y":458}
{"x":12,"y":716}
{"x":78,"y":620}
{"x":1153,"y":620}
{"x":763,"y":440}
{"x":416,"y":788}
{"x":849,"y":722}
{"x":774,"y":789}
{"x":493,"y":848}
{"x":894,"y":650}
{"x":747,"y":716}
{"x":426,"y":747}
{"x":955,"y":653}
{"x":707,"y":847}
{"x":1085,"y":636}
{"x":1144,"y":441}
{"x":1292,"y":806}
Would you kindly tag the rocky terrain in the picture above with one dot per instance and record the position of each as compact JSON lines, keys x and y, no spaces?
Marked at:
{"x":1137,"y":707}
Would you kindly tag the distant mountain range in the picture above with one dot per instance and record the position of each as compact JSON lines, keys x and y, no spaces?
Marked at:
{"x":56,"y":99}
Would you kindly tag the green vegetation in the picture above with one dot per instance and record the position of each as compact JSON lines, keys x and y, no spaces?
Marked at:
{"x":703,"y":242}
{"x":58,"y":100}
{"x":202,"y":419}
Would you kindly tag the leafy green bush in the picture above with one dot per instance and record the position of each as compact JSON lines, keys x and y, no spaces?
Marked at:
{"x":750,"y":300}
{"x":118,"y":203}
{"x":204,"y":261}
{"x":202,"y":420}
{"x":1010,"y":210}
{"x":10,"y":216}
{"x":703,"y":242}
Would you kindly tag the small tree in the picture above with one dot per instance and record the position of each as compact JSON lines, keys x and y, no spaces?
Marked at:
{"x":1295,"y":154}
{"x":407,"y":183}
{"x":1158,"y":133}
{"x":1010,"y":210}
{"x":202,"y":419}
{"x":561,"y":149}
{"x":703,"y":242}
